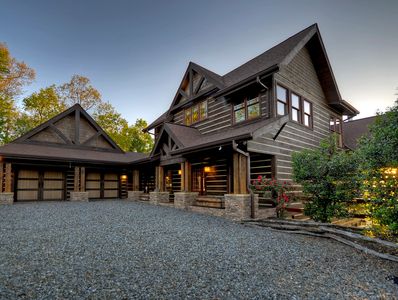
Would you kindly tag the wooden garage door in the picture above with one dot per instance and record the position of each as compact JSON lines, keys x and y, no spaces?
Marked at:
{"x":34,"y":185}
{"x":102,"y":185}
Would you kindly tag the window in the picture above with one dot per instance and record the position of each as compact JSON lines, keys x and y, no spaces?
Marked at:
{"x":195,"y":113}
{"x":248,"y":109}
{"x":296,"y":108}
{"x":335,"y":127}
{"x":307,"y":113}
{"x":281,"y":95}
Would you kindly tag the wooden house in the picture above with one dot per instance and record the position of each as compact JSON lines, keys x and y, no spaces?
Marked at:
{"x":219,"y":133}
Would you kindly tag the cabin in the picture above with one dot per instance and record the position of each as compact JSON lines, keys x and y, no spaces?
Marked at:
{"x":219,"y":133}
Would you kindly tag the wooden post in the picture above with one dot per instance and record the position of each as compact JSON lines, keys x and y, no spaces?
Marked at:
{"x":1,"y":177}
{"x":82,"y":179}
{"x":235,"y":172}
{"x":242,"y":174}
{"x":187,"y":177}
{"x":8,"y":179}
{"x":182,"y":168}
{"x":159,"y":178}
{"x":77,"y":179}
{"x":136,"y":180}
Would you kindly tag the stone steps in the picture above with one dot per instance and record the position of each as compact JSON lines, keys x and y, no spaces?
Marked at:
{"x":209,"y":202}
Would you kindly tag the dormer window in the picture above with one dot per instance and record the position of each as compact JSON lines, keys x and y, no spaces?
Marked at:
{"x":195,"y":113}
{"x":248,"y":109}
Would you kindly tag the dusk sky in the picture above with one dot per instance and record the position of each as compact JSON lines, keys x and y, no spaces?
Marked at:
{"x":136,"y":52}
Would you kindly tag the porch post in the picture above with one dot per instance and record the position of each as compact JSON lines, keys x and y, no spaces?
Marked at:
{"x":6,"y":194}
{"x":1,"y":177}
{"x":79,"y":190}
{"x":8,"y":179}
{"x":136,"y":180}
{"x":76,"y":186}
{"x":160,"y":178}
{"x":182,"y":168}
{"x":187,"y":177}
{"x":240,"y":173}
{"x":82,"y":179}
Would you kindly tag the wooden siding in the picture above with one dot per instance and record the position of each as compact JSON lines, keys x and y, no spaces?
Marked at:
{"x":300,"y":77}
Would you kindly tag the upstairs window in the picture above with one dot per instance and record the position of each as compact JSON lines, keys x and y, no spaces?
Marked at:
{"x":307,"y":114}
{"x":282,"y":99}
{"x":195,"y":113}
{"x":296,"y":114}
{"x":248,"y":109}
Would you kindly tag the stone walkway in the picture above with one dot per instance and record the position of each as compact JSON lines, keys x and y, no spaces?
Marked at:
{"x":122,"y":250}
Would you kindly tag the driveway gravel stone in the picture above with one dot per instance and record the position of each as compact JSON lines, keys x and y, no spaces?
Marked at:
{"x":128,"y":250}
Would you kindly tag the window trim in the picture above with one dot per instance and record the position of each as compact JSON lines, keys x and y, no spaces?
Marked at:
{"x":201,"y":118}
{"x":287,"y":105}
{"x":245,"y":107}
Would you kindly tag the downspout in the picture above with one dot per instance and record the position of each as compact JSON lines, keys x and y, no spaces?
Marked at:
{"x":247,"y":154}
{"x":262,"y":84}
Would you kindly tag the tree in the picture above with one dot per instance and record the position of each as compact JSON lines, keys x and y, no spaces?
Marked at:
{"x":379,"y":167}
{"x":13,"y":74}
{"x":79,"y":90}
{"x":327,"y":175}
{"x":129,"y":138}
{"x":42,"y":106}
{"x":8,"y":115}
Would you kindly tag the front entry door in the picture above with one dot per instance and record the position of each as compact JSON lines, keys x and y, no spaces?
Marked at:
{"x":198,"y":180}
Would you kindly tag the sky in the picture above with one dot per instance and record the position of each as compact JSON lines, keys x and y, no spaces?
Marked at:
{"x":136,"y":52}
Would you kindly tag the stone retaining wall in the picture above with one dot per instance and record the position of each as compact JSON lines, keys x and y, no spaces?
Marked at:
{"x":6,"y":198}
{"x":184,"y":200}
{"x":159,"y":197}
{"x":134,"y":195}
{"x":79,"y":196}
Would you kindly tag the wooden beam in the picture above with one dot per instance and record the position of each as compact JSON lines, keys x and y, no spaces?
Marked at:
{"x":77,"y":127}
{"x":1,"y":177}
{"x":235,"y":172}
{"x":187,"y":177}
{"x":136,"y":180}
{"x":76,"y":187}
{"x":82,"y":179}
{"x":8,"y":179}
{"x":182,"y":168}
{"x":242,"y":174}
{"x":60,"y":134}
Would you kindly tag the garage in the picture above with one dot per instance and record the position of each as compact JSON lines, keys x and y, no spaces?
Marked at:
{"x":40,"y":185}
{"x":102,"y":185}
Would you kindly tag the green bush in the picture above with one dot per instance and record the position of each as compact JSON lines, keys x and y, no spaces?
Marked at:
{"x":327,"y":176}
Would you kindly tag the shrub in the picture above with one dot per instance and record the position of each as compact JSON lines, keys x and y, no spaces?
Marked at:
{"x":279,"y":192}
{"x":327,"y":176}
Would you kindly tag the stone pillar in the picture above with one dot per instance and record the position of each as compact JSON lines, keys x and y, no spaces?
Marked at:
{"x":237,"y":206}
{"x":159,"y":197}
{"x":185,"y":199}
{"x":134,"y":195}
{"x":6,"y":198}
{"x":79,"y":196}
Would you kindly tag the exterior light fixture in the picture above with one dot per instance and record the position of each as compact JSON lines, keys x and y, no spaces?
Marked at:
{"x":179,"y":172}
{"x":123,"y":177}
{"x":207,"y":169}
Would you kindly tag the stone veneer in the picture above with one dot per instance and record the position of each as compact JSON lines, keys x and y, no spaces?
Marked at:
{"x":159,"y":197}
{"x":6,"y":198}
{"x":237,"y":206}
{"x":185,"y":199}
{"x":78,"y":196}
{"x":134,"y":195}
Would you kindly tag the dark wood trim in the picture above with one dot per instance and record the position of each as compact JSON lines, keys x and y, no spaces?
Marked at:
{"x":77,"y":126}
{"x":202,"y":78}
{"x":60,"y":134}
{"x":96,"y":135}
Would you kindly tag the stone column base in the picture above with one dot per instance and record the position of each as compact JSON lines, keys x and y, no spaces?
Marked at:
{"x":159,"y":197}
{"x":237,"y":206}
{"x":6,"y":198}
{"x":79,"y":196}
{"x":185,"y":199}
{"x":134,"y":195}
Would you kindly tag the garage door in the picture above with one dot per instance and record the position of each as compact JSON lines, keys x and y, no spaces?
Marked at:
{"x":34,"y":185}
{"x":102,"y":185}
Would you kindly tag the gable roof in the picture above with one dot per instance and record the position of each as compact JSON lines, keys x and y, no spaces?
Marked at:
{"x":353,"y":130}
{"x":74,"y":140}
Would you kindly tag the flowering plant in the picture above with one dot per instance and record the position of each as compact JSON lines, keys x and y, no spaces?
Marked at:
{"x":278,"y":191}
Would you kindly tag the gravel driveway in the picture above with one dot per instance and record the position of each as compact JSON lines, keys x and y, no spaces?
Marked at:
{"x":130,"y":250}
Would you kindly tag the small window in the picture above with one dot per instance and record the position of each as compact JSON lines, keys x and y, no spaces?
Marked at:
{"x":239,"y":112}
{"x":188,"y":120}
{"x":335,"y":127}
{"x":195,"y":113}
{"x":253,"y":108}
{"x":203,"y":110}
{"x":296,"y":108}
{"x":307,"y":113}
{"x":281,"y":94}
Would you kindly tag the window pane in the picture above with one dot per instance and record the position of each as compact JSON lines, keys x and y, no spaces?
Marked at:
{"x":253,"y":111}
{"x":281,"y":109}
{"x":240,"y":115}
{"x":195,"y":113}
{"x":295,"y":114}
{"x":295,"y":101}
{"x":252,"y":101}
{"x":281,"y":93}
{"x":203,"y":110}
{"x":239,"y":106}
{"x":188,"y":116}
{"x":307,"y":121}
{"x":331,"y":124}
{"x":307,"y":107}
{"x":338,"y":125}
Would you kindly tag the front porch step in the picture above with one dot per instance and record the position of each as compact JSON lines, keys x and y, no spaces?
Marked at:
{"x":144,"y":197}
{"x":209,"y":202}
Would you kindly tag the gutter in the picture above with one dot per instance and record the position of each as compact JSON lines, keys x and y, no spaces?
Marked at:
{"x":247,"y":154}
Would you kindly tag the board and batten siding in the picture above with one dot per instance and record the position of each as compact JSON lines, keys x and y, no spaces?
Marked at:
{"x":300,"y":77}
